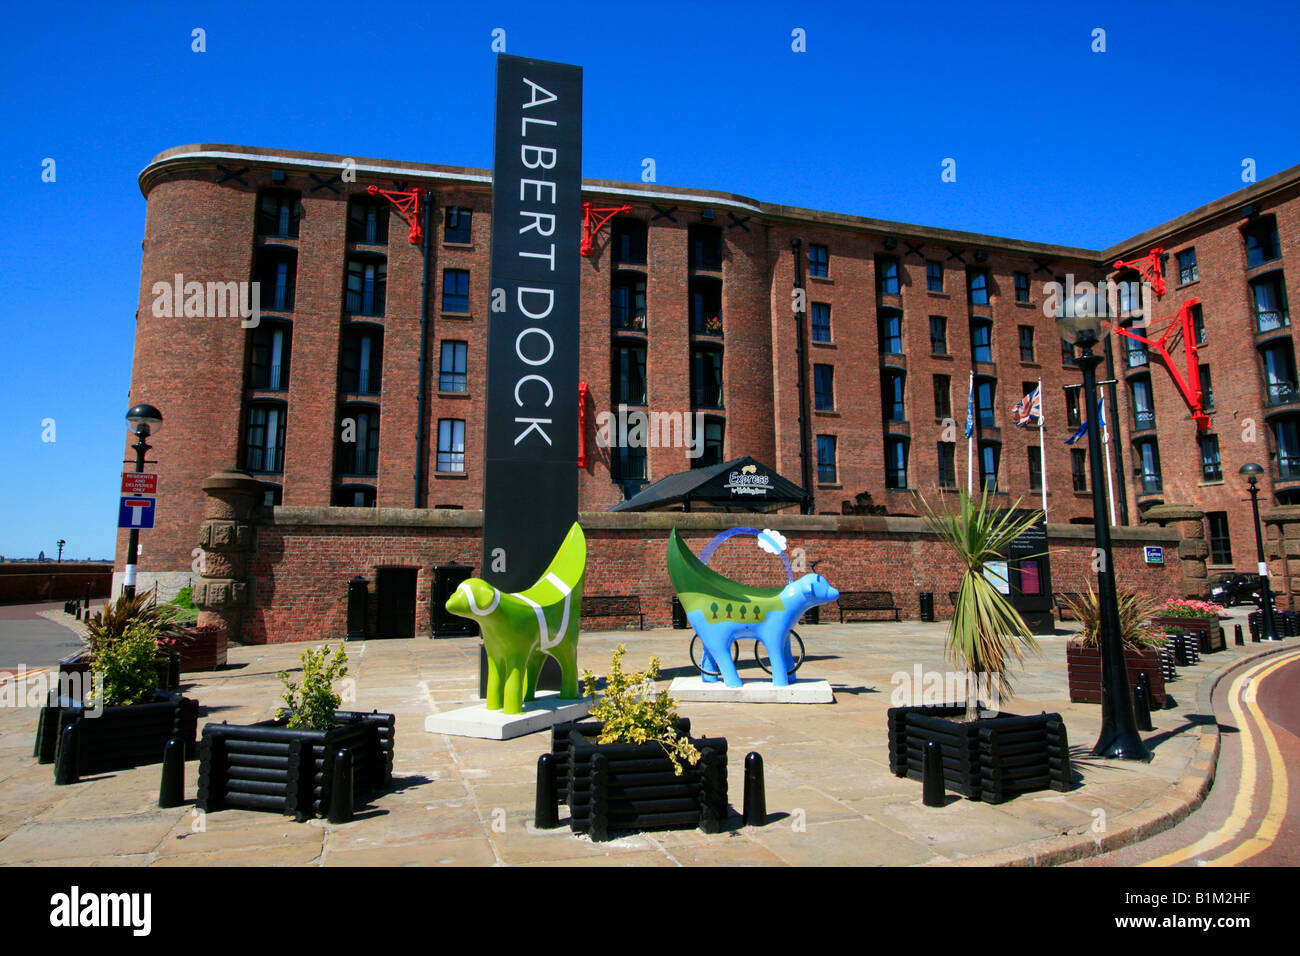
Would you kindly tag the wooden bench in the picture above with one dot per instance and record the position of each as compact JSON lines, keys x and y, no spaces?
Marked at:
{"x":1062,"y":609}
{"x":866,"y":601}
{"x":613,"y":605}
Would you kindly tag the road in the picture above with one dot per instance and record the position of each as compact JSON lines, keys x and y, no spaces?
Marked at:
{"x":31,"y":641}
{"x":1252,"y":814}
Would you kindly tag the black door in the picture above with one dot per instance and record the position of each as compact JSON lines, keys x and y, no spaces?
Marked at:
{"x":396,"y":587}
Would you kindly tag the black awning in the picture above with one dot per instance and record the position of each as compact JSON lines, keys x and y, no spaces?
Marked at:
{"x":740,"y":485}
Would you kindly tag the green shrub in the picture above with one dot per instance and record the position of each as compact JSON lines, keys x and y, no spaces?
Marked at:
{"x":313,"y":700}
{"x":126,"y":669}
{"x":184,"y":598}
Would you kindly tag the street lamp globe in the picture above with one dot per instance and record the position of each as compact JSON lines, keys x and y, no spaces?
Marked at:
{"x":144,"y":419}
{"x":1251,"y":470}
{"x":1080,"y":321}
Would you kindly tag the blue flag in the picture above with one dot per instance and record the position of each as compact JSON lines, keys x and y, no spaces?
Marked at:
{"x":970,"y":409}
{"x":1083,"y":429}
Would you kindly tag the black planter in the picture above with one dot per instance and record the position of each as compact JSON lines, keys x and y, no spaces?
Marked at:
{"x":267,"y":766}
{"x":611,"y":787}
{"x":990,"y":759}
{"x":118,"y":737}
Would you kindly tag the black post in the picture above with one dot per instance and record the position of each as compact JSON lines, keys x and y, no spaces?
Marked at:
{"x":545,"y":814}
{"x":173,"y":670}
{"x":1265,"y":592}
{"x":1240,"y":640}
{"x":599,"y":805}
{"x":932,"y":786}
{"x":805,"y":461}
{"x":133,"y":539}
{"x":755,"y":791}
{"x":171,"y":793}
{"x":341,"y":788}
{"x":713,"y":789}
{"x":1119,"y":733}
{"x":1142,"y":702}
{"x":66,"y":768}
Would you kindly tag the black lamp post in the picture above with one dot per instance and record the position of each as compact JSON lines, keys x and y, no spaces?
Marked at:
{"x":143,"y":420}
{"x":1081,"y":324}
{"x":60,"y":543}
{"x":1252,"y":472}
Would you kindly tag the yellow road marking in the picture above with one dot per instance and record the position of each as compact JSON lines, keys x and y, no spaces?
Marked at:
{"x":1241,"y":807}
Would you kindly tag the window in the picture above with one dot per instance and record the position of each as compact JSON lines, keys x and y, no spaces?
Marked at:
{"x":1067,"y":352}
{"x":1270,"y":303}
{"x":706,"y":378}
{"x":895,"y":463}
{"x":1198,"y":324}
{"x":367,"y":285}
{"x":1144,"y":410}
{"x":933,"y":275}
{"x":361,"y":364}
{"x":268,"y":356}
{"x":977,"y":281}
{"x":452,"y":368}
{"x":1211,"y":466}
{"x":942,"y":396}
{"x":1280,"y":373}
{"x":819,"y":258}
{"x":353,"y":496}
{"x":1026,"y":343}
{"x":455,"y":291}
{"x":823,"y":387}
{"x":984,"y":398}
{"x":272,"y":495}
{"x":1135,"y":352}
{"x":451,"y":445}
{"x":368,"y":221}
{"x":1149,"y":480}
{"x":989,"y":454}
{"x":1072,"y":401}
{"x":1187,"y":266}
{"x":1022,"y":286}
{"x":1079,"y":469}
{"x":947,"y":465}
{"x":627,"y":301}
{"x":627,"y":241}
{"x":1207,"y":388}
{"x":826,"y":471}
{"x":706,"y":305}
{"x":886,"y":275}
{"x":628,"y":366}
{"x":891,"y":331}
{"x":1286,"y":438}
{"x":938,"y":335}
{"x":1261,"y":242}
{"x":1128,"y":289}
{"x":706,"y":247}
{"x":276,"y":269}
{"x":1035,"y":468}
{"x":821,"y":322}
{"x":981,"y":340}
{"x":358,"y":446}
{"x":714,"y":433}
{"x":1220,"y":539}
{"x":891,"y":396}
{"x":457,"y":225}
{"x":628,"y":465}
{"x":278,"y":213}
{"x":264,"y":439}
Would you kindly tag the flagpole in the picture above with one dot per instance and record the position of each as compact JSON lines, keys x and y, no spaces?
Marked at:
{"x":1105,"y":450}
{"x":1042,"y":449}
{"x":970,"y":436}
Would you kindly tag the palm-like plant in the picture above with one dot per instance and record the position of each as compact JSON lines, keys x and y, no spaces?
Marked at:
{"x":1134,"y":611}
{"x":110,"y":624}
{"x":985,"y":631}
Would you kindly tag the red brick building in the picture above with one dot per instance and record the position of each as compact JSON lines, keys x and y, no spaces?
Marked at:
{"x":688,"y":309}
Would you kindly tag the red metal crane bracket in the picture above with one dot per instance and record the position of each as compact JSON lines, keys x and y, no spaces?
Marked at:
{"x":583,"y":392}
{"x":407,"y":202}
{"x":593,"y":220}
{"x":1190,"y":386}
{"x":1151,"y":268}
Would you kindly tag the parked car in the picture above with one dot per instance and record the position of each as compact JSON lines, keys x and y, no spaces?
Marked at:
{"x":1233,"y":589}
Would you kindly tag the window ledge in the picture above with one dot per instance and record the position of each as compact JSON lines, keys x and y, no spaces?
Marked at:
{"x":827,"y":412}
{"x":1030,"y":364}
{"x":1211,"y":484}
{"x":459,"y":475}
{"x":455,"y":315}
{"x":939,"y":295}
{"x":824,"y":280}
{"x":1184,"y":285}
{"x":468,"y":246}
{"x":836,"y":484}
{"x":442,"y":394}
{"x":1024,"y":305}
{"x":943,"y":356}
{"x":824,"y":345}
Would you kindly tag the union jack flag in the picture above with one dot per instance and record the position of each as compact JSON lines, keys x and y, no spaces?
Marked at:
{"x":1028,"y":413}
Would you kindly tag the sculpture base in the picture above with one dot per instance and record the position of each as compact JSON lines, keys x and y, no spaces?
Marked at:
{"x":752,"y":691}
{"x":540,"y":714}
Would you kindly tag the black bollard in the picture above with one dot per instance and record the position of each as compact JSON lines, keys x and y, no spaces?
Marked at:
{"x":599,"y":802}
{"x":545,"y":814}
{"x":713,"y":789}
{"x":173,"y":670}
{"x":172,"y":791}
{"x":755,"y":791}
{"x":1142,"y":703}
{"x":65,"y":758}
{"x":1240,"y":639}
{"x":932,"y":785}
{"x":78,"y":613}
{"x":341,"y":788}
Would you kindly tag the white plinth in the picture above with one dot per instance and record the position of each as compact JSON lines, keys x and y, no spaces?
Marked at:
{"x":477,"y":721}
{"x":752,"y":691}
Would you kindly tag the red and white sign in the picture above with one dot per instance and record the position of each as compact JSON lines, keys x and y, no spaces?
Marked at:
{"x":139,"y":483}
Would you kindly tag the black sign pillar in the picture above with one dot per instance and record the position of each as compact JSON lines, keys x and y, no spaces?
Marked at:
{"x":530,"y":486}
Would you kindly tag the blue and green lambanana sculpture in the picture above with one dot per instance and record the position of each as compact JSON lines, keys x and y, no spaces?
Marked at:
{"x":722,"y":611}
{"x":521,"y":630}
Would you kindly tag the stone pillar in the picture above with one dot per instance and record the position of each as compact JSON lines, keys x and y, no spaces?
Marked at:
{"x":228,"y":539}
{"x":1193,"y":549}
{"x":1281,"y":527}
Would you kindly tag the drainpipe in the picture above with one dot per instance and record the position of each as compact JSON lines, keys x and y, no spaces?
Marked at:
{"x":805,"y":464}
{"x":1118,"y":443}
{"x":421,"y":439}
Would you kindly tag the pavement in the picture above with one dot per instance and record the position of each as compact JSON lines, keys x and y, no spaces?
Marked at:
{"x":831,"y":799}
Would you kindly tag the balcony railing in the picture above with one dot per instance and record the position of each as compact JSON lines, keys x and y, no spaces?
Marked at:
{"x":1137,"y":358}
{"x":635,"y":323}
{"x":1288,"y":467}
{"x":1267,"y":320}
{"x":1144,"y":420}
{"x":1150,"y":484}
{"x":1281,"y":393}
{"x":707,"y":326}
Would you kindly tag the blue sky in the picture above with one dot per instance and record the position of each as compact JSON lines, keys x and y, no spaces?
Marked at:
{"x":1053,"y":142}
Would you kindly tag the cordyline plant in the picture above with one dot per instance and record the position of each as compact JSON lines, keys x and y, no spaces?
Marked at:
{"x":985,"y":631}
{"x":1134,"y":610}
{"x":631,"y":713}
{"x":313,"y":700}
{"x":110,"y":624}
{"x":1180,"y":608}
